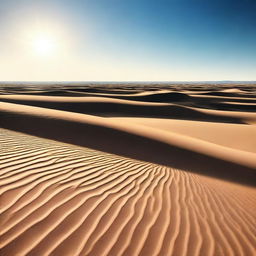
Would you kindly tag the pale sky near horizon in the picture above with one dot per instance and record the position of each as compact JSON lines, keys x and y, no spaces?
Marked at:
{"x":121,"y":40}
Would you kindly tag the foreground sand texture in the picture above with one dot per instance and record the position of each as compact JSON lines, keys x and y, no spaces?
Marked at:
{"x":128,"y":170}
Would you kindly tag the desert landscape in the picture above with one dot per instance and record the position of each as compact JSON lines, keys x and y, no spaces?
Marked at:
{"x":128,"y":169}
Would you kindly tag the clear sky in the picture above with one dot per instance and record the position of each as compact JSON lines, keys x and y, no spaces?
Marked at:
{"x":127,"y":40}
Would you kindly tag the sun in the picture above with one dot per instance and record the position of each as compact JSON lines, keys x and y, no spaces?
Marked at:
{"x":44,"y":45}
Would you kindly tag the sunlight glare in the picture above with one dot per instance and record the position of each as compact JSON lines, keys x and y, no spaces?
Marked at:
{"x":44,"y":45}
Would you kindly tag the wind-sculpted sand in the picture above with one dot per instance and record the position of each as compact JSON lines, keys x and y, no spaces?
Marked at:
{"x":127,"y":171}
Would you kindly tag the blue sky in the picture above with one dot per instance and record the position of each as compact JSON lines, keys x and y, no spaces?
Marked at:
{"x":160,"y":40}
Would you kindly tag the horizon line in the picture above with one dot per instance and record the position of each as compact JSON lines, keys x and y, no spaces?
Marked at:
{"x":127,"y":81}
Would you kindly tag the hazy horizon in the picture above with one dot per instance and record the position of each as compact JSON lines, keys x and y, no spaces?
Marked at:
{"x":219,"y":82}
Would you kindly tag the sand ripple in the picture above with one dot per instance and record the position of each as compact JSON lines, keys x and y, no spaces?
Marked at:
{"x":60,"y":199}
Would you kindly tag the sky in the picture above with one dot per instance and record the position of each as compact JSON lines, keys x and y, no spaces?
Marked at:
{"x":127,"y":40}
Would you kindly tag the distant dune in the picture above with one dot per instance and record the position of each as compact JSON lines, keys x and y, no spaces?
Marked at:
{"x":128,"y":171}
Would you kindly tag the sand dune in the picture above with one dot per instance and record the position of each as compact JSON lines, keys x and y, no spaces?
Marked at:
{"x":127,"y":170}
{"x":217,"y":133}
{"x":131,"y":140}
{"x":116,"y":107}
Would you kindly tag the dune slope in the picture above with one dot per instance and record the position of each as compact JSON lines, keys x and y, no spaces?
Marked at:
{"x":131,"y":140}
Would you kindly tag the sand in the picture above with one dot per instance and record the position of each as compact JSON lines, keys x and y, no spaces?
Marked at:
{"x":128,"y":170}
